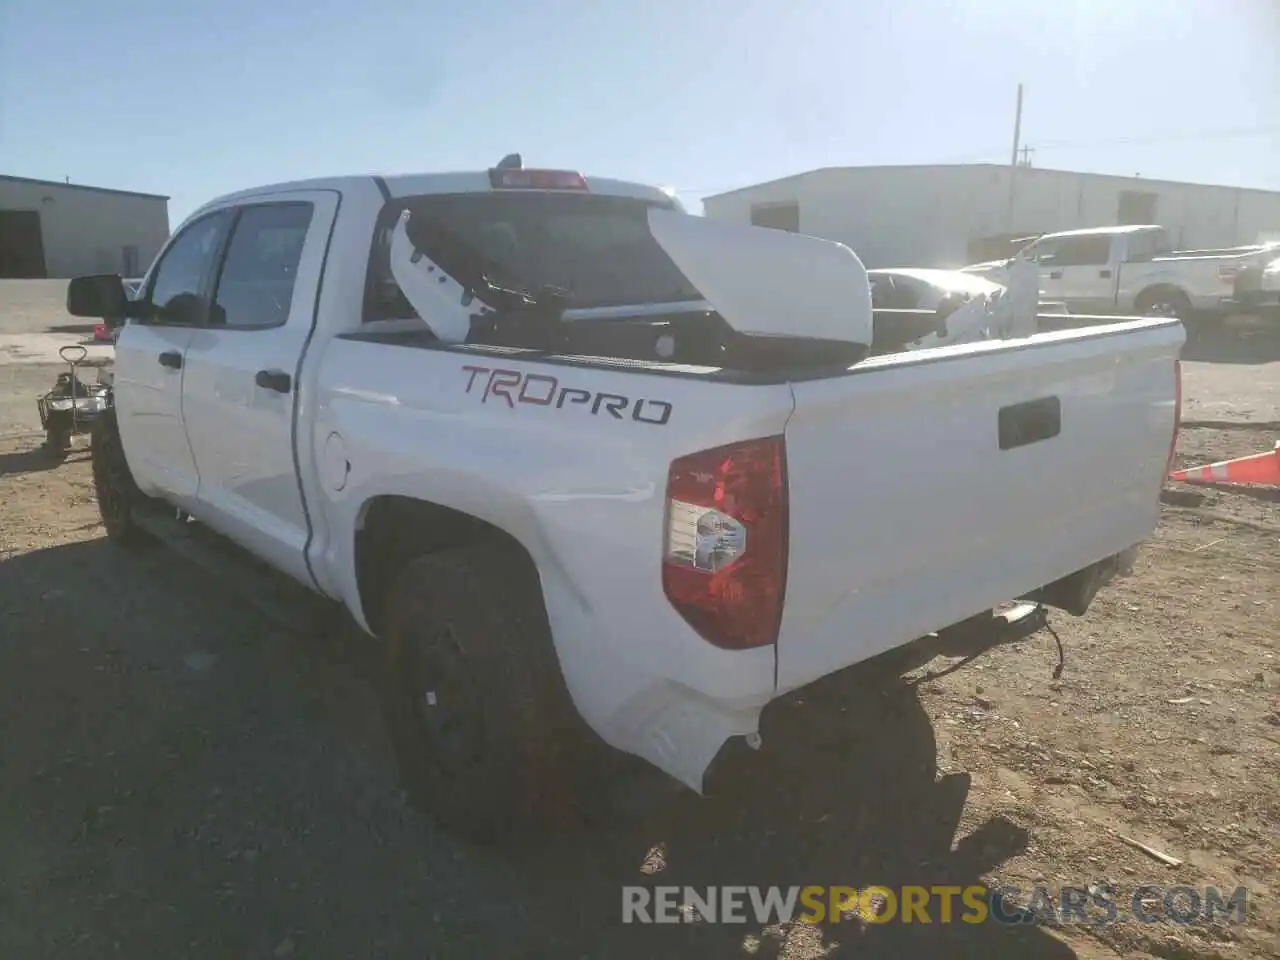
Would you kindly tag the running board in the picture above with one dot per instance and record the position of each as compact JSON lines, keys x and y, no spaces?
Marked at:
{"x":274,"y":595}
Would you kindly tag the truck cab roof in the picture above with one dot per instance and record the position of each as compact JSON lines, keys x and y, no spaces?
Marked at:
{"x":1105,"y":231}
{"x":422,"y":184}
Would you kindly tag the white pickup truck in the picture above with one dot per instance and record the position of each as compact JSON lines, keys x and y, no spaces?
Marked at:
{"x":1135,"y":270}
{"x":567,"y":453}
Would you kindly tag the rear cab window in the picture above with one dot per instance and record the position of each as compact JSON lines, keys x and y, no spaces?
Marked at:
{"x":596,"y":248}
{"x":1148,"y":244}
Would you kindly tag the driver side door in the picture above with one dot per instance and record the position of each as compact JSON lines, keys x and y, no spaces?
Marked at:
{"x":150,"y":355}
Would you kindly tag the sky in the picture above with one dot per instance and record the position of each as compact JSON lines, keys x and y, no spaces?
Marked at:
{"x":193,"y":99}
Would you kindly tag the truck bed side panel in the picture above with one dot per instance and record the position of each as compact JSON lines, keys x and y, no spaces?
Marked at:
{"x":906,"y":513}
{"x":583,"y":490}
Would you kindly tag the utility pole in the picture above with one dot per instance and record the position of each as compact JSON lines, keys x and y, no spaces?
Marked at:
{"x":1017,"y":129}
{"x":1013,"y":161}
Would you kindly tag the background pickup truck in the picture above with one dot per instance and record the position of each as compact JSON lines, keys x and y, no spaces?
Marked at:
{"x":585,"y":467}
{"x":1135,"y":270}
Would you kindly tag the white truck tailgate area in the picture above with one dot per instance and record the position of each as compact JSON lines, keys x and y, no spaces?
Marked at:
{"x":906,"y":515}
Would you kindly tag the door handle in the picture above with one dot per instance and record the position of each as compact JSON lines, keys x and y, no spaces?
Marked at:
{"x":1055,"y":274}
{"x":276,"y":380}
{"x":1105,"y":274}
{"x":171,"y":359}
{"x":1030,"y":422}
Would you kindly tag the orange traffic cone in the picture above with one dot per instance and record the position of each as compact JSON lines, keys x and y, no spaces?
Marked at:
{"x":1258,"y":468}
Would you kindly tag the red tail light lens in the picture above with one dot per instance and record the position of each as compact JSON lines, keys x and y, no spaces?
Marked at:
{"x":519,"y":179}
{"x":724,"y":565}
{"x":1177,"y":414}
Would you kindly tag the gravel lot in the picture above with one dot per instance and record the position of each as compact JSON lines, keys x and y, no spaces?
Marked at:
{"x":180,"y":779}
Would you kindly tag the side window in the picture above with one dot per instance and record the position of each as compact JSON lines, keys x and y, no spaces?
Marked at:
{"x":1046,"y":251}
{"x":881,"y":293}
{"x":1083,"y":251}
{"x":175,"y":295}
{"x":908,"y":293}
{"x":1142,"y":246}
{"x":255,"y":284}
{"x":894,"y":293}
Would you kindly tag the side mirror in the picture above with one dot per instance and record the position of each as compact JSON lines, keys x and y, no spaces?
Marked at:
{"x":101,"y":296}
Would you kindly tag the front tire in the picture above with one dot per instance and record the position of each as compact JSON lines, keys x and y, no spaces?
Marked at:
{"x":57,"y":442}
{"x":117,"y":493}
{"x":486,"y":736}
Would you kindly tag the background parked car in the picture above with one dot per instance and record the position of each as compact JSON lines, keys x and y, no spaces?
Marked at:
{"x":920,"y":288}
{"x":910,"y":288}
{"x":1135,"y":270}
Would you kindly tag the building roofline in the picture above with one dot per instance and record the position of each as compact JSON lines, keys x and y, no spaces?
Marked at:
{"x":776,"y":181}
{"x":7,"y":178}
{"x":1133,"y":179}
{"x":989,"y":165}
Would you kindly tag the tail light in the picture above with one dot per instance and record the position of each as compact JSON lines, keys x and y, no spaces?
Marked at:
{"x":1227,"y":274}
{"x":1177,"y":414}
{"x":506,"y":178}
{"x":724,"y":565}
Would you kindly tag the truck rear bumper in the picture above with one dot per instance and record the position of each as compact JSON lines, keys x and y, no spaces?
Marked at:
{"x":681,"y":731}
{"x":652,"y":687}
{"x":1075,"y":592}
{"x":1257,"y":299}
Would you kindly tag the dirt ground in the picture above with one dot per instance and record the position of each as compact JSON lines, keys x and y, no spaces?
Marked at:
{"x":180,"y":779}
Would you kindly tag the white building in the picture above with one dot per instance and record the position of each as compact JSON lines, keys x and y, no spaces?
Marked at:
{"x":947,"y":216}
{"x":52,"y":229}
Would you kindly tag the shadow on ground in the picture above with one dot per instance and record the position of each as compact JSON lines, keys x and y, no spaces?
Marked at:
{"x":1220,"y":343}
{"x":182,"y":780}
{"x":1183,"y":499}
{"x":843,"y":792}
{"x":37,"y":459}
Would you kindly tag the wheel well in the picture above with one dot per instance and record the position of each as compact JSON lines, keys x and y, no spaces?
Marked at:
{"x":395,"y":530}
{"x":1160,"y":289}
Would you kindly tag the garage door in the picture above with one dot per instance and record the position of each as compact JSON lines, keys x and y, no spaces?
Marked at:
{"x":21,"y":244}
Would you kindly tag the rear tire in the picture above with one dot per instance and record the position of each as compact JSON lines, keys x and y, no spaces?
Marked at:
{"x":117,"y":494}
{"x":1165,"y":302}
{"x":486,"y":736}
